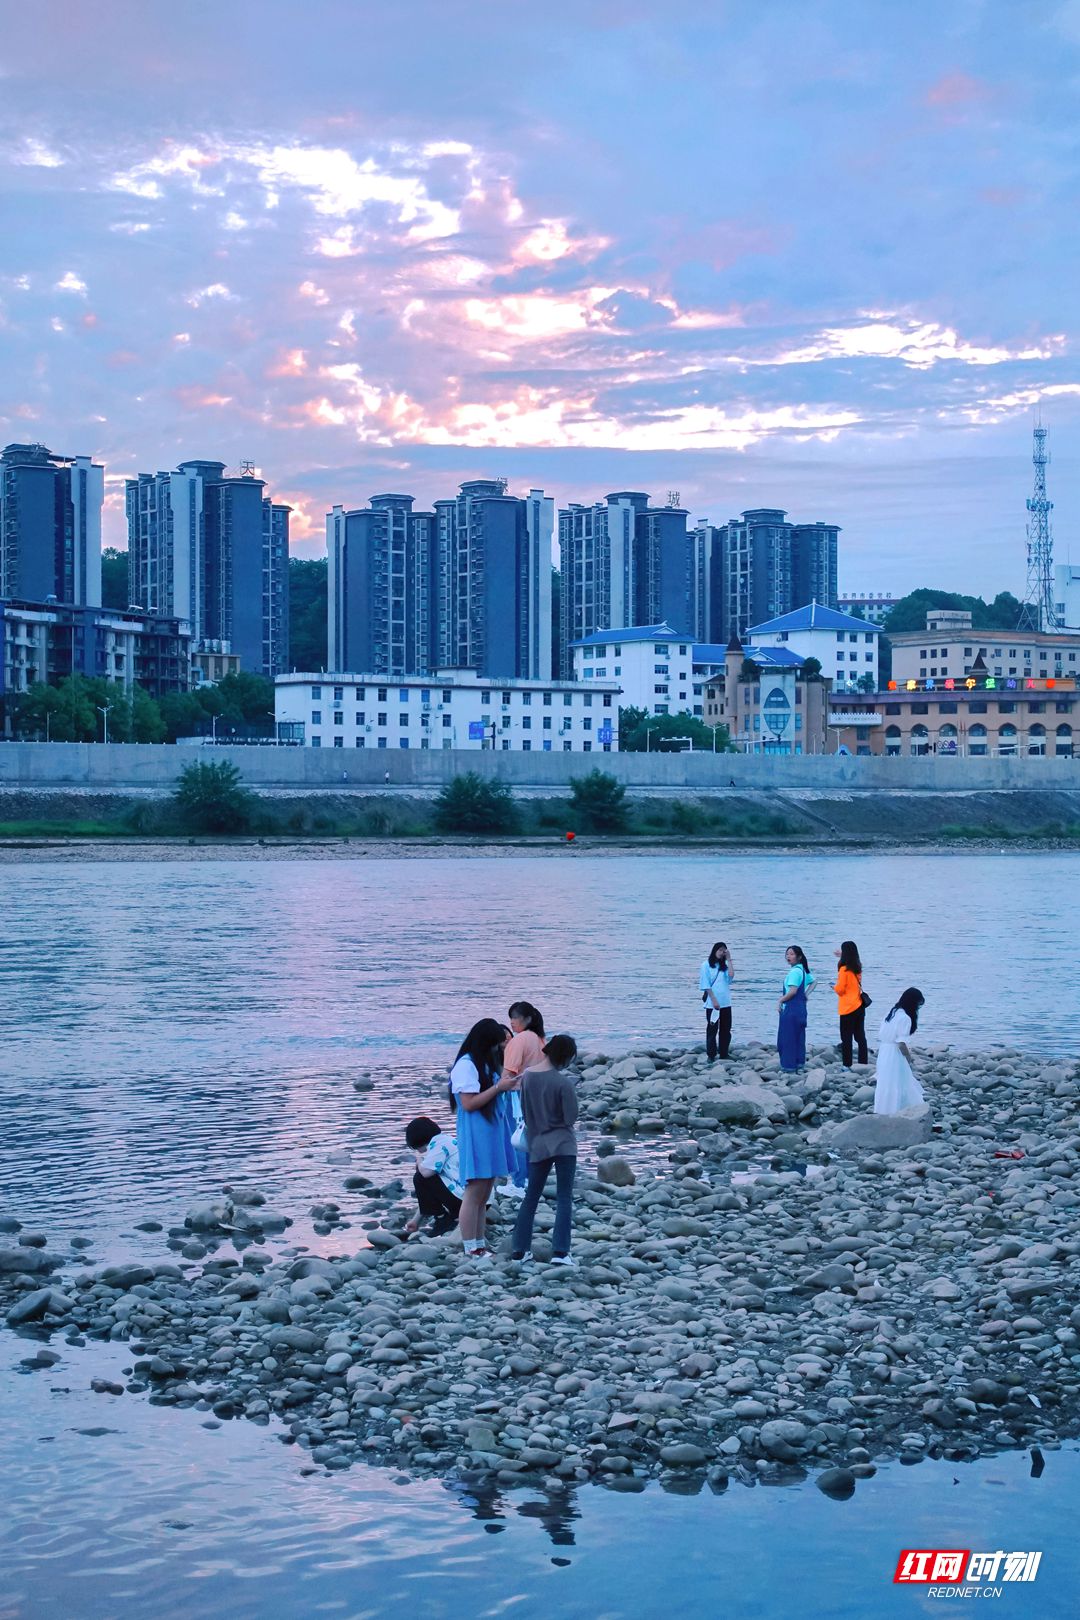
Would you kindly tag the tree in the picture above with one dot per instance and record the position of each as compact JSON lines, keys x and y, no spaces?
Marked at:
{"x":748,"y":670}
{"x":473,"y":804}
{"x":182,"y":715}
{"x":307,"y":613}
{"x":147,"y":725}
{"x":909,"y":613}
{"x":114,"y":578}
{"x":638,"y":729}
{"x":867,"y":683}
{"x":244,"y":701}
{"x":212,"y":798}
{"x":599,"y":802}
{"x":71,"y":711}
{"x":811,"y":669}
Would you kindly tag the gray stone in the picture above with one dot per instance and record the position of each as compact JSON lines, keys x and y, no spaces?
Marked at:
{"x":836,"y":1482}
{"x":615,"y":1172}
{"x":877,"y":1132}
{"x":683,"y":1455}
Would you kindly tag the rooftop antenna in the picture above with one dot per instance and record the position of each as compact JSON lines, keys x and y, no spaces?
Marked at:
{"x":1038,"y":611}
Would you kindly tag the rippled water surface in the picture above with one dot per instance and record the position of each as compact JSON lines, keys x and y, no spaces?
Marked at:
{"x":168,"y":1026}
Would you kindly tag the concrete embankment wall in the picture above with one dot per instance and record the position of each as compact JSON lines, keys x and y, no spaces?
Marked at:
{"x":135,"y":765}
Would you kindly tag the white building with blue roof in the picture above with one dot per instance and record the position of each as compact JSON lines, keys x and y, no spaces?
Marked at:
{"x":845,"y":647}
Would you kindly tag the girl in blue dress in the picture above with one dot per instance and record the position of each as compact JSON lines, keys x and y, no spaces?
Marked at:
{"x":478,"y":1094}
{"x":791,"y":1034}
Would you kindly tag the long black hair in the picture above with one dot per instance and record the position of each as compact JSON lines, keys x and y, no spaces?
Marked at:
{"x":530,"y":1016}
{"x":849,"y":956}
{"x":909,"y":1001}
{"x":800,"y":956}
{"x":483,"y":1044}
{"x":718,"y":956}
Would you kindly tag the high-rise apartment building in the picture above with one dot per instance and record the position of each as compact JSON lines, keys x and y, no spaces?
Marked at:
{"x":50,"y":526}
{"x":467,"y":586}
{"x":709,"y":623}
{"x":379,"y":562}
{"x":772,"y":566}
{"x":213,"y":550}
{"x":624,"y":562}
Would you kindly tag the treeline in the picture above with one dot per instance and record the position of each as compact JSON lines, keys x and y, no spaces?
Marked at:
{"x":86,"y":708}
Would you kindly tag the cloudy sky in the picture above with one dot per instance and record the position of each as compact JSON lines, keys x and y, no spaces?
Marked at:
{"x":815,"y":255}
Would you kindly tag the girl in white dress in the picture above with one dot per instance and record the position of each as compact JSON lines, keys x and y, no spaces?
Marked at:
{"x":897,"y":1086}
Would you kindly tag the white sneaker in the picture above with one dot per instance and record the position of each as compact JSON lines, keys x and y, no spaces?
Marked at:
{"x":563,"y":1260}
{"x":509,"y":1189}
{"x":523,"y":1259}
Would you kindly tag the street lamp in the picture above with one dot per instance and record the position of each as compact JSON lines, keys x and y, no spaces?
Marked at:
{"x":103,"y":710}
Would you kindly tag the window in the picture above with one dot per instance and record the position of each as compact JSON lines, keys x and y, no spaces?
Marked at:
{"x":339,"y":742}
{"x":977,"y":708}
{"x":425,"y":694}
{"x":506,"y":697}
{"x":526,"y":698}
{"x":920,"y":708}
{"x":660,"y":669}
{"x":869,"y":638}
{"x":403,"y":719}
{"x":566,"y":747}
{"x":567,"y":699}
{"x":948,"y":708}
{"x":447,"y":694}
{"x":446,"y":720}
{"x":869,"y":658}
{"x":526,"y":724}
{"x":547,"y":722}
{"x":660,"y":690}
{"x":607,"y":700}
{"x":339,"y":718}
{"x":382,"y":694}
{"x":506,"y":742}
{"x":601,"y":674}
{"x":382,"y":742}
{"x":339,"y":694}
{"x":506,"y":722}
{"x":1036,"y":708}
{"x":359,"y":717}
{"x":683,"y":651}
{"x":839,"y":658}
{"x":316,"y":742}
{"x":1006,"y":708}
{"x":618,"y":668}
{"x":586,"y":725}
{"x":547,"y":700}
{"x":547,"y":747}
{"x":526,"y":747}
{"x":361,"y":742}
{"x":661,"y":648}
{"x":586,"y":748}
{"x":403,"y":694}
{"x":316,"y":691}
{"x":316,"y":717}
{"x":618,"y":652}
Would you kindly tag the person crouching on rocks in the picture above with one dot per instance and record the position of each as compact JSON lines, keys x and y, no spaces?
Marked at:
{"x":484,"y":1126}
{"x":549,"y":1103}
{"x":437,"y":1177}
{"x":714,"y":982}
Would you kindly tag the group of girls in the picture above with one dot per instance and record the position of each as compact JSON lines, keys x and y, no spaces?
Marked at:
{"x":896,"y":1087}
{"x":515,"y":1115}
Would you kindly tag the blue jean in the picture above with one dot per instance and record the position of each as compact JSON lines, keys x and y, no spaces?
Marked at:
{"x":539,"y":1170}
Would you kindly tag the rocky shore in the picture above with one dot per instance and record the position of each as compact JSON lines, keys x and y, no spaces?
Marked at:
{"x":784,"y":1284}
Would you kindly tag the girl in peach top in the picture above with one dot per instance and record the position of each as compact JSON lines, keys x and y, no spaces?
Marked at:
{"x":852,"y":1011}
{"x":525,"y":1047}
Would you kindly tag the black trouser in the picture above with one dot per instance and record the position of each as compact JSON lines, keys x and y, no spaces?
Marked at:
{"x":852,"y":1029}
{"x":435,"y":1198}
{"x":717,"y":1032}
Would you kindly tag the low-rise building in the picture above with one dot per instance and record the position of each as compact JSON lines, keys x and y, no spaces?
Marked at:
{"x":447,"y":709}
{"x":949,"y":647}
{"x":766,"y":703}
{"x":211,"y":661}
{"x":652,"y":663}
{"x":845,"y":647}
{"x":46,"y":641}
{"x":980,"y":714}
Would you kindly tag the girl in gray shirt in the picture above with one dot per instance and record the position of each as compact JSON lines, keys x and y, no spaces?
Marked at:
{"x":549,"y":1104}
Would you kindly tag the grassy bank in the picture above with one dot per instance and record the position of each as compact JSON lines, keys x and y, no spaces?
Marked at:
{"x":870,"y":819}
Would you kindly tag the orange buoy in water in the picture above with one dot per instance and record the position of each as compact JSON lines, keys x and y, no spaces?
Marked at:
{"x":570,"y":837}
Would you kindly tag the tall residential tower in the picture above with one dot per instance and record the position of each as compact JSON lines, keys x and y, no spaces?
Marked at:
{"x":50,"y":526}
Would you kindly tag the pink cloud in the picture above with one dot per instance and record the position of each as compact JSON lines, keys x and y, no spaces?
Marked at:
{"x":955,"y":91}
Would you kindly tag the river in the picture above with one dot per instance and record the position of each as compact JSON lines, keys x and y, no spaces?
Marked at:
{"x":171,"y":1025}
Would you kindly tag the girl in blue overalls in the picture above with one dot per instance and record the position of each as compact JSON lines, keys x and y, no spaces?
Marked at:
{"x":791,"y":1034}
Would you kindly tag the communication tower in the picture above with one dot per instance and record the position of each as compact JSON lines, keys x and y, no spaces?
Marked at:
{"x":1038,"y":612}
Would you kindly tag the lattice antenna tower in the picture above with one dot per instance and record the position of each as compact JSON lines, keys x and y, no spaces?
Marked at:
{"x":1038,"y":611}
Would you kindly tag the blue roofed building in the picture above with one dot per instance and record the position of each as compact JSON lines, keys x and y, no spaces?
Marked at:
{"x":845,"y":647}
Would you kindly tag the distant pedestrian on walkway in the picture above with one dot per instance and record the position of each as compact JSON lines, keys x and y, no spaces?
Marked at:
{"x":714,"y":982}
{"x":851,"y":1003}
{"x":549,"y":1100}
{"x":484,"y":1126}
{"x":791,"y":1031}
{"x":897,"y":1086}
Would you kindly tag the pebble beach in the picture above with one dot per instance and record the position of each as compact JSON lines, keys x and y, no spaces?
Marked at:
{"x":785,"y":1285}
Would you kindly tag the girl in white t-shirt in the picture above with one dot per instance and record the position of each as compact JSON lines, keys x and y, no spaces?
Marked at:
{"x":484,"y":1126}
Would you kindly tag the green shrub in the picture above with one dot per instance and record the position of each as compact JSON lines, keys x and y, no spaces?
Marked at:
{"x":688,"y":817}
{"x":598,"y":803}
{"x":212,"y":798}
{"x":472,"y":804}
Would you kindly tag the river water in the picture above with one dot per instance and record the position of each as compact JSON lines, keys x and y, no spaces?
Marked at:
{"x":171,"y":1025}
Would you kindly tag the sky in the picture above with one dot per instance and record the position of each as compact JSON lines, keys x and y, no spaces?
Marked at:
{"x":818,"y":256}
